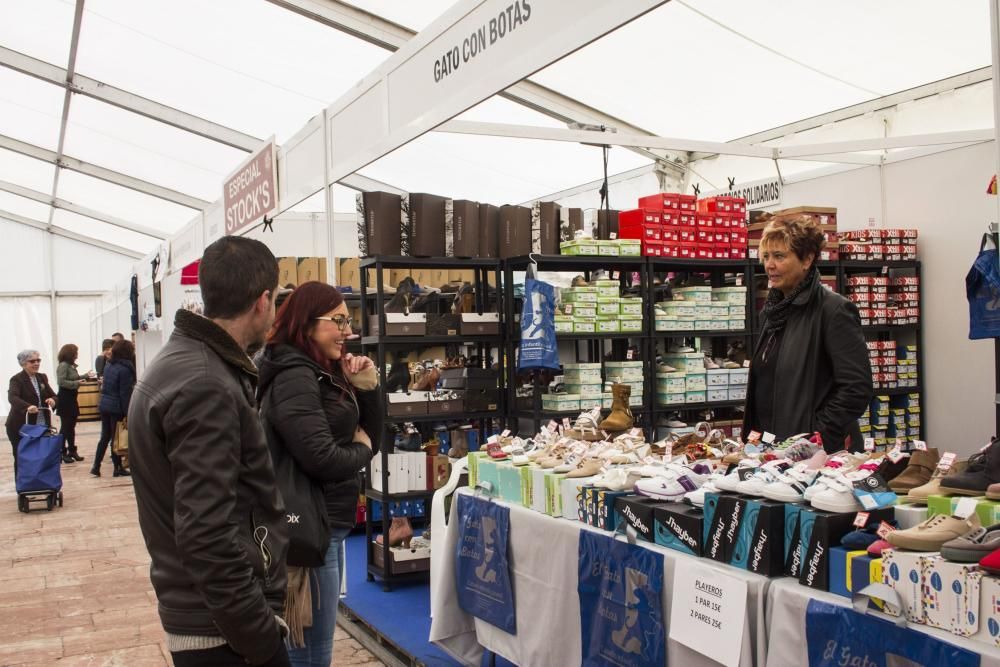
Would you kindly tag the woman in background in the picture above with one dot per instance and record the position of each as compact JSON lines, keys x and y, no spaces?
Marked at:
{"x":116,"y":393}
{"x":67,"y":408}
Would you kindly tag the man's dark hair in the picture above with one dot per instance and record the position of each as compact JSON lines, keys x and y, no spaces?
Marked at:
{"x":233,"y":273}
{"x":119,"y":334}
{"x":107,"y":344}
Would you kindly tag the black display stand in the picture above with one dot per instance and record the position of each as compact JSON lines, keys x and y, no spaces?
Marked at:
{"x":381,"y":345}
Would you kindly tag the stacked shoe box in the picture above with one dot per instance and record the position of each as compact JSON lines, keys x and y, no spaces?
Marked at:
{"x":703,"y":308}
{"x":591,"y":247}
{"x":598,"y":308}
{"x":677,"y":226}
{"x":882,"y":355}
{"x":748,"y":533}
{"x":907,"y":372}
{"x":904,"y":300}
{"x":889,"y":245}
{"x":624,"y":372}
{"x":871,"y":295}
{"x":825,"y":217}
{"x":692,"y":383}
{"x":583,"y":389}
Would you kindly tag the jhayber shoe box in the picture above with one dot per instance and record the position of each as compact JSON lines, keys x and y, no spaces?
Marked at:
{"x":793,"y":541}
{"x":605,"y":516}
{"x":637,"y":512}
{"x":679,"y":526}
{"x":723,"y":515}
{"x":825,"y":530}
{"x":760,"y":546}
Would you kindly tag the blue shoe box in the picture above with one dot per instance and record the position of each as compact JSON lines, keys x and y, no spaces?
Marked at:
{"x":680,"y":527}
{"x":723,"y":515}
{"x":760,"y":547}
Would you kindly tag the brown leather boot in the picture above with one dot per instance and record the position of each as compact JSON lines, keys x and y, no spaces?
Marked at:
{"x":620,"y":418}
{"x":918,"y":472}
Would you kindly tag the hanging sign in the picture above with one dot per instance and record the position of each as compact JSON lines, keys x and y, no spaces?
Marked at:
{"x":482,"y":563}
{"x":708,"y":611}
{"x":758,"y":194}
{"x":251,"y":192}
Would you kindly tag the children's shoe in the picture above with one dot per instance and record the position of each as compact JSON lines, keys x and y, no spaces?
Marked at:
{"x":973,"y":547}
{"x":668,"y":488}
{"x":766,"y":474}
{"x":864,"y":537}
{"x":729,"y":482}
{"x":836,"y":496}
{"x":697,"y":497}
{"x":791,"y":485}
{"x":991,"y":563}
{"x":875,"y":548}
{"x":934,"y":532}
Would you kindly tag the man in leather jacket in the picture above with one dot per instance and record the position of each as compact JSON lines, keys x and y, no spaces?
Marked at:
{"x":209,"y":507}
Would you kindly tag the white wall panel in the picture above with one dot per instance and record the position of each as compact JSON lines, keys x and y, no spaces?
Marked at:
{"x":73,"y":326}
{"x":22,"y":253}
{"x":79,"y":266}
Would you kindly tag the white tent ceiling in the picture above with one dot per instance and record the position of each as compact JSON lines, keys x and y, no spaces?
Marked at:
{"x":704,"y":69}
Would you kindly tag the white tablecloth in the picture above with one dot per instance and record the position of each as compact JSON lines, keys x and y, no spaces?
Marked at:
{"x":786,"y":618}
{"x":544,"y":576}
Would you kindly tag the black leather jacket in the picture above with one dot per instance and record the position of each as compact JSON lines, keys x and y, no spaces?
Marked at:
{"x":208,"y":503}
{"x":823,"y":379}
{"x":311,"y":415}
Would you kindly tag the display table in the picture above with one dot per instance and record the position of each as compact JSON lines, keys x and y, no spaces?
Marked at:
{"x":786,"y":617}
{"x":543,"y":556}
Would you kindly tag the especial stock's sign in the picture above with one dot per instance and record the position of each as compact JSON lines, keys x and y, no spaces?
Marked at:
{"x":251,"y":192}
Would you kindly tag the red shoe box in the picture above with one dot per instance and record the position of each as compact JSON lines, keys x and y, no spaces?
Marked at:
{"x":669,"y":218}
{"x":671,"y":250}
{"x":737,"y":253}
{"x":685,"y":219}
{"x":645,"y":232}
{"x":652,"y":248}
{"x":687,"y":203}
{"x":638,"y":216}
{"x":687,"y":250}
{"x":706,"y":220}
{"x":722,"y":250}
{"x":705,"y":235}
{"x":688,"y":234}
{"x":723,"y":236}
{"x":705,"y":251}
{"x":662,"y":201}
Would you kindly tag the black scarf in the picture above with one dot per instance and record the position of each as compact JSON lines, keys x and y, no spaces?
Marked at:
{"x":778,"y":306}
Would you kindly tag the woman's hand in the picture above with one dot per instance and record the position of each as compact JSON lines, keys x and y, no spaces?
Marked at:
{"x":51,"y":402}
{"x":352,"y":364}
{"x":32,"y":409}
{"x":360,"y":435}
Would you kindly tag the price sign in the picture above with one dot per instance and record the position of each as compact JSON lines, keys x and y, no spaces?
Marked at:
{"x":861,"y":520}
{"x":966,"y":506}
{"x":746,"y":364}
{"x":505,"y":433}
{"x":884,"y":529}
{"x":895,"y":454}
{"x":565,"y":422}
{"x":753,"y":437}
{"x":920,"y":444}
{"x":869,"y":444}
{"x":947,"y":461}
{"x":768,"y":438}
{"x":552,"y":426}
{"x":708,"y":610}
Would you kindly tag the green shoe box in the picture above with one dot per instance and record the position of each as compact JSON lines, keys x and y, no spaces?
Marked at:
{"x":988,"y":510}
{"x":509,"y":477}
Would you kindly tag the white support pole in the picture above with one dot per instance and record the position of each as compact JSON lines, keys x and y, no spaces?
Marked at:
{"x":331,"y":270}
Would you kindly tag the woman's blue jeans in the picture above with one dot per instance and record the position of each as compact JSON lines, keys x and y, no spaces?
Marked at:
{"x":324,"y":585}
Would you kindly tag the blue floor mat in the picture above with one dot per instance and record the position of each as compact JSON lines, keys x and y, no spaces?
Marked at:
{"x":403,"y":615}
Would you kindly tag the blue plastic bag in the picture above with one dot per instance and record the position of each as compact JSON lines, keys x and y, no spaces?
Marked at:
{"x":621,"y":607}
{"x":982,"y":289}
{"x":39,"y":456}
{"x":482,"y":563}
{"x":538,"y":327}
{"x":839,"y":636}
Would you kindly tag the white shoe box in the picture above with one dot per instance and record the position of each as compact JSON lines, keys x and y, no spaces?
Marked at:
{"x":570,"y":496}
{"x":909,"y":516}
{"x":416,"y":471}
{"x":903,"y":570}
{"x":951,"y":595}
{"x":538,"y":488}
{"x":989,"y":611}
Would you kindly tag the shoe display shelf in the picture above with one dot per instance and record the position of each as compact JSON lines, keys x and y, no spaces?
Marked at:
{"x":376,"y":341}
{"x":905,"y":336}
{"x":716,"y":273}
{"x":527,"y":412}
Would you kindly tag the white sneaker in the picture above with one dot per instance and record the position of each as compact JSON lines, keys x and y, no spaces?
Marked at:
{"x":669,"y":488}
{"x":729,"y":482}
{"x":697,"y":497}
{"x":791,"y":485}
{"x":618,"y":479}
{"x":835,"y":466}
{"x":766,"y":474}
{"x":836,"y":496}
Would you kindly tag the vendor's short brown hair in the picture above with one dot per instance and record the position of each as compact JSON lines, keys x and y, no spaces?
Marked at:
{"x":800,"y":233}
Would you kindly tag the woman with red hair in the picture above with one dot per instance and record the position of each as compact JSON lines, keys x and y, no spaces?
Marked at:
{"x":320,"y":405}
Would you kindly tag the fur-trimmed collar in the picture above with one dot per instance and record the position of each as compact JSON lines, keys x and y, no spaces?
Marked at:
{"x":210,"y":333}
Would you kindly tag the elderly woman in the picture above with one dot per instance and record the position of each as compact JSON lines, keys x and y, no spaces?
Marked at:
{"x":28,"y":391}
{"x":810,"y":371}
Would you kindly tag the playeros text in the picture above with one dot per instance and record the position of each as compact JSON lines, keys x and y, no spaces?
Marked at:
{"x":485,"y":36}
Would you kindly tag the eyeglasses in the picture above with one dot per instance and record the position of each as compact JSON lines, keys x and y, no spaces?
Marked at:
{"x":343,"y":323}
{"x":34,"y":361}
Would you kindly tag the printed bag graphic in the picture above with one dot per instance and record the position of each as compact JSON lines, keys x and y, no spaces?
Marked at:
{"x":841,"y":636}
{"x":538,"y":327}
{"x":482,"y":566}
{"x":621,"y":606}
{"x":982,"y":289}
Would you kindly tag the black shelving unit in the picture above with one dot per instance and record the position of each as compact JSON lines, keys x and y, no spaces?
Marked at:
{"x":716,"y":269}
{"x":487,"y":299}
{"x":589,"y":347}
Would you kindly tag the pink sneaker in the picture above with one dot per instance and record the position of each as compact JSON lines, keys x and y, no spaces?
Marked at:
{"x":876,"y":547}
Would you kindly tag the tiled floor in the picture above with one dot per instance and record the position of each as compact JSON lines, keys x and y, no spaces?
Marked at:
{"x":74,"y":582}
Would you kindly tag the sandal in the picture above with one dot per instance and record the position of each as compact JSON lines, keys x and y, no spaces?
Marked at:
{"x":586,"y":427}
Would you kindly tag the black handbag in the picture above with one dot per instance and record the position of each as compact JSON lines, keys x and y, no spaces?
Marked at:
{"x":305,"y":512}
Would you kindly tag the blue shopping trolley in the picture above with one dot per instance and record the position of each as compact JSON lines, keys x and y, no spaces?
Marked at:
{"x":39,"y":457}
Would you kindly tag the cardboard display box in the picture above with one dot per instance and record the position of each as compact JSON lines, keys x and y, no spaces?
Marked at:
{"x":379,"y":224}
{"x":681,"y":527}
{"x":426,"y":225}
{"x":903,"y":570}
{"x":489,"y":231}
{"x":288,"y":271}
{"x":819,"y":533}
{"x":637,"y":512}
{"x":760,"y":547}
{"x":723,"y":514}
{"x":310,"y":268}
{"x":951,"y":594}
{"x":515,"y":231}
{"x":850,"y":571}
{"x":465,"y":226}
